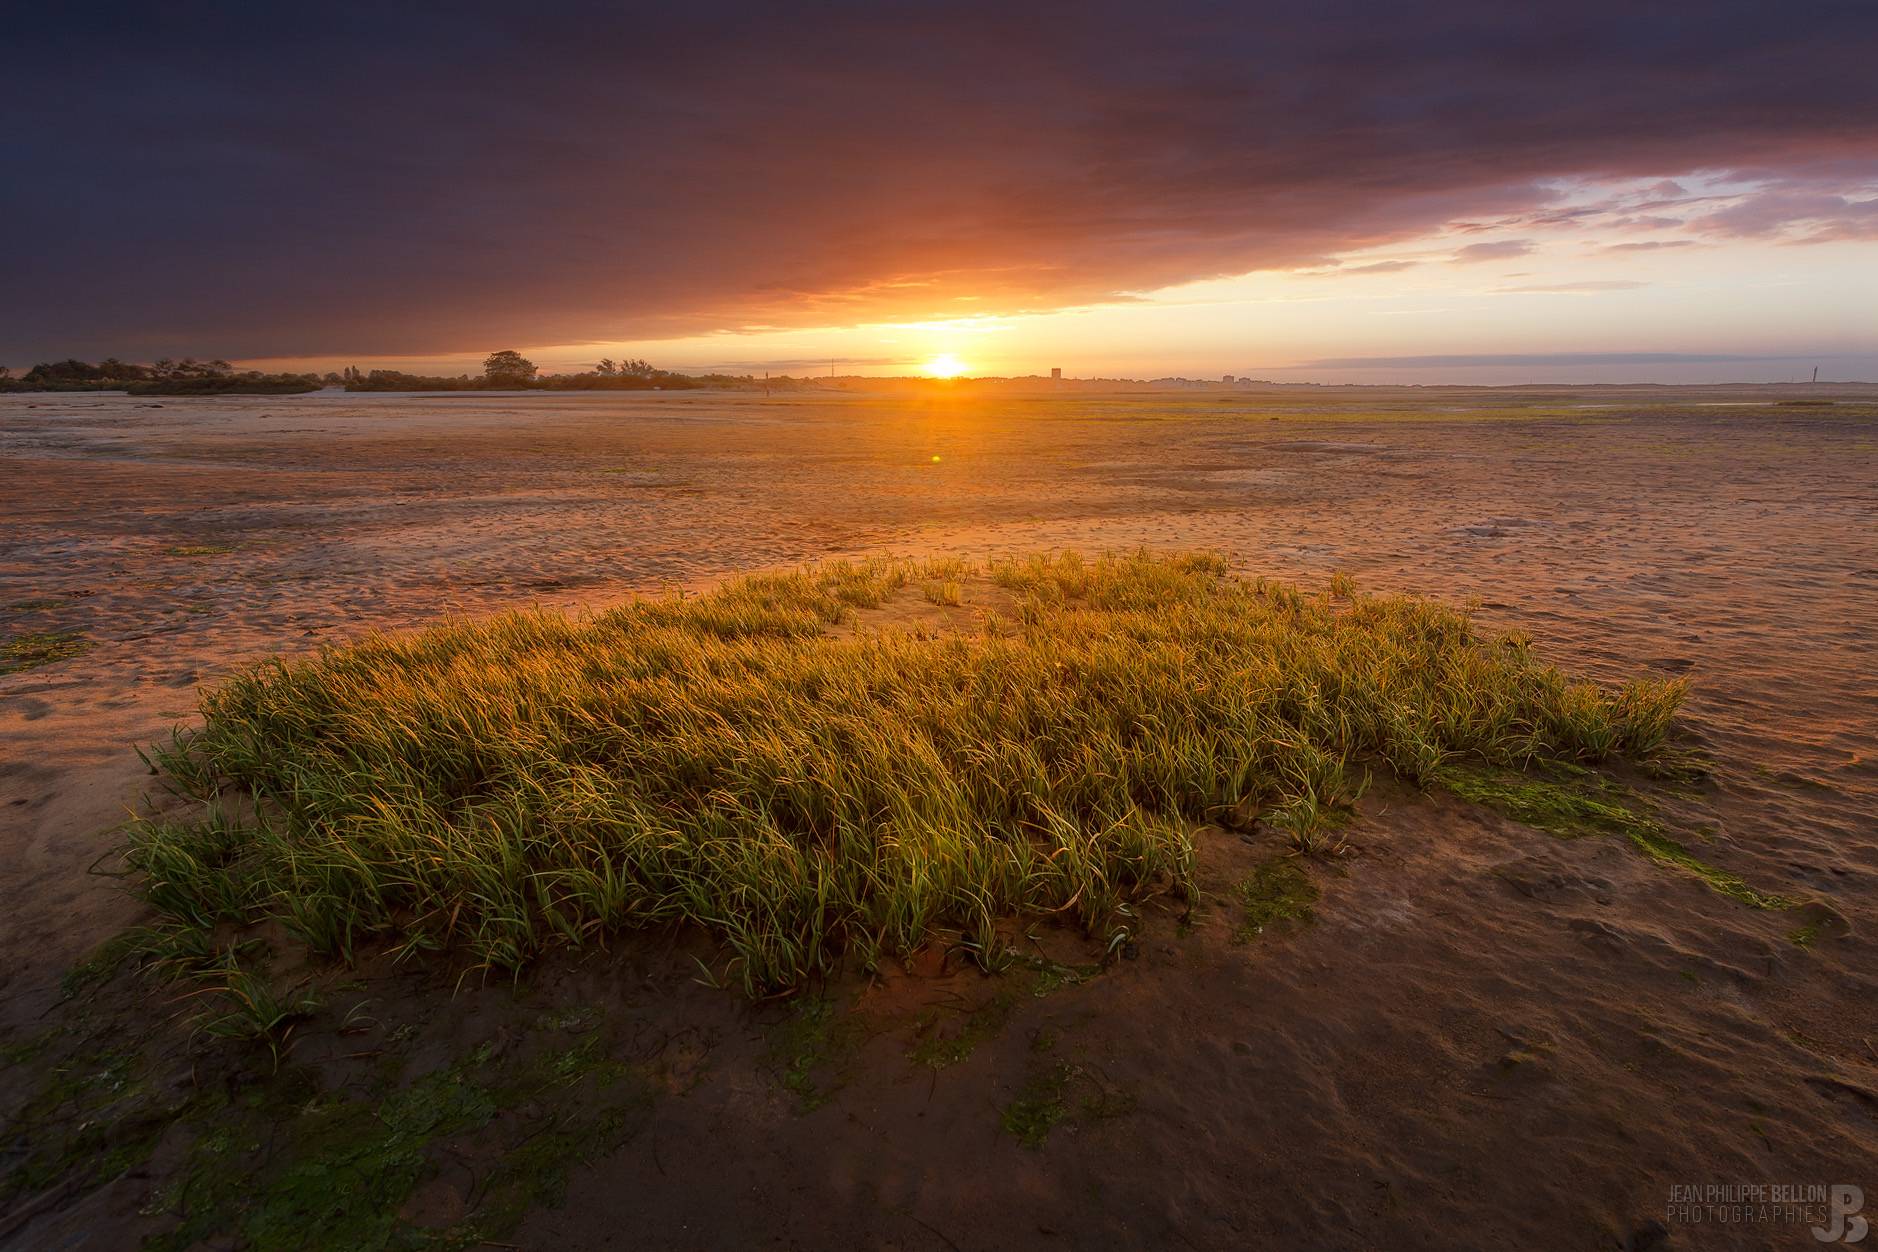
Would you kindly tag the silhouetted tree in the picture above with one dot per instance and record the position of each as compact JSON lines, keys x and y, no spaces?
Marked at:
{"x":606,"y":368}
{"x":507,"y":368}
{"x":70,"y":370}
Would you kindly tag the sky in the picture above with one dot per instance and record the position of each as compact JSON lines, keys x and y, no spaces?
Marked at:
{"x":1456,"y":190}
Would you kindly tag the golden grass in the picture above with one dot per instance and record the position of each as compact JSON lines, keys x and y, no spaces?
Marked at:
{"x":508,"y":785}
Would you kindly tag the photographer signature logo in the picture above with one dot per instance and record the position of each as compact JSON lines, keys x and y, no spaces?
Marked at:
{"x":1845,"y":1222}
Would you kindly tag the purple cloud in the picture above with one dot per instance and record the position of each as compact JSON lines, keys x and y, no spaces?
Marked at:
{"x":376,"y":179}
{"x":1498,"y":251}
{"x":1793,"y":214}
{"x":1650,"y":245}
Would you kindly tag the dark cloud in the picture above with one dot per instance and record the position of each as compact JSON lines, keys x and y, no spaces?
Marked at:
{"x":257,"y":180}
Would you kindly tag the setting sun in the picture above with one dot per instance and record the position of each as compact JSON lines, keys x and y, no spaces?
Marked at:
{"x":945,"y":365}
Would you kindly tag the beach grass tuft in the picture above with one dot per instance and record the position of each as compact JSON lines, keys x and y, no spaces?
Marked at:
{"x":730,"y":760}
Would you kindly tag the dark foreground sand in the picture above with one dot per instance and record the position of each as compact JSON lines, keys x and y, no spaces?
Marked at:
{"x":1489,"y":1037}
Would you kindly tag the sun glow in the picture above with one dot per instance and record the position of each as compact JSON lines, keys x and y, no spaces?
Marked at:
{"x":945,"y":365}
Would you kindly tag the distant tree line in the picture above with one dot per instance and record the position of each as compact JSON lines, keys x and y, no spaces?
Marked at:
{"x":506,"y":370}
{"x":509,"y":370}
{"x":163,"y":377}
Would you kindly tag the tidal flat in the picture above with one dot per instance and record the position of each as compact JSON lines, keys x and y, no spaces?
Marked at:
{"x":1501,"y":999}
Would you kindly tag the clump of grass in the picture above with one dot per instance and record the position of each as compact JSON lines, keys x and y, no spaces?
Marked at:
{"x":24,"y":652}
{"x":533,"y":780}
{"x":943,"y":593}
{"x":252,"y":1009}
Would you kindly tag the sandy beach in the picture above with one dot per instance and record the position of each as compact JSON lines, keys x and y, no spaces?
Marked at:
{"x":1486,"y":1036}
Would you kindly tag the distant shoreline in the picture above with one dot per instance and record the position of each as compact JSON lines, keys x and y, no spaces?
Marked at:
{"x":1822,"y":395}
{"x":1798,"y":394}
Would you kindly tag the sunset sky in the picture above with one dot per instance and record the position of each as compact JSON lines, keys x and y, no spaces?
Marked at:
{"x":1451,"y":191}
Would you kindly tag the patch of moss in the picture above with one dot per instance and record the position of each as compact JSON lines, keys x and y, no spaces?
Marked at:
{"x":103,"y":962}
{"x":330,"y":1173}
{"x":1806,"y":934}
{"x":811,"y":1047}
{"x":1277,"y":891}
{"x":24,"y":1050}
{"x":276,"y":1159}
{"x":92,"y":1117}
{"x":1050,"y":977}
{"x":1058,"y":1092}
{"x":24,"y":652}
{"x":289,"y":1165}
{"x":33,"y":606}
{"x":199,"y":549}
{"x":1573,"y":802}
{"x":576,"y":1019}
{"x":535,"y":1172}
{"x":1664,"y":850}
{"x":1039,"y":1107}
{"x":941,"y":1049}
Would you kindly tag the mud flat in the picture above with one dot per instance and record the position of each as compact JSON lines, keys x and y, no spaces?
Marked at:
{"x":1491,"y":1020}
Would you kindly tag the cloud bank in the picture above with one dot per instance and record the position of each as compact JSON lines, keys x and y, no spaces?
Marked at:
{"x":423,"y":178}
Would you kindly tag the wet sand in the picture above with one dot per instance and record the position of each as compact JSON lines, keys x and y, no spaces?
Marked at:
{"x":1488,"y":1036}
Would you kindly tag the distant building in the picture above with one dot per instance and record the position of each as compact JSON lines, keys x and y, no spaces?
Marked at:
{"x":1056,"y":375}
{"x":1228,"y":379}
